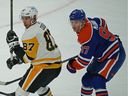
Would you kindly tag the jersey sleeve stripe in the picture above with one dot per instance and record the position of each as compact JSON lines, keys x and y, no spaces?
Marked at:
{"x":83,"y":62}
{"x":79,"y":63}
{"x":85,"y":59}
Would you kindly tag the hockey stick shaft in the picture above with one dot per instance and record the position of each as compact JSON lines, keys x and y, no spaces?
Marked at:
{"x":11,"y":23}
{"x":10,"y":82}
{"x":6,"y":94}
{"x":68,"y":59}
{"x":7,"y":83}
{"x":11,"y":14}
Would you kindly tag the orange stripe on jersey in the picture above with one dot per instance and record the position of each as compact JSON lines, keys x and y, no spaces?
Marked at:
{"x":31,"y":76}
{"x":105,"y":71}
{"x":109,"y":52}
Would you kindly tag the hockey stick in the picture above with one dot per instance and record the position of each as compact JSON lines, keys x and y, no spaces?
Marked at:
{"x":67,"y":59}
{"x":11,"y":15}
{"x":11,"y":23}
{"x":10,"y":82}
{"x":5,"y":94}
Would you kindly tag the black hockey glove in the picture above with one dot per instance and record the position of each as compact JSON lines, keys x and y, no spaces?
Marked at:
{"x":70,"y":68}
{"x":14,"y":61}
{"x":12,"y":39}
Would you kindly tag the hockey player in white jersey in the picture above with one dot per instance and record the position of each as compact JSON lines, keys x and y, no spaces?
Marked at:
{"x":39,"y":50}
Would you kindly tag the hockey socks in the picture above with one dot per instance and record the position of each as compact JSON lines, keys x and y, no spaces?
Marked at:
{"x":86,"y":91}
{"x":101,"y":92}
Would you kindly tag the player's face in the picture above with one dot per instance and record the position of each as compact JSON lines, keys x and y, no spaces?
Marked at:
{"x":76,"y":25}
{"x":27,"y":21}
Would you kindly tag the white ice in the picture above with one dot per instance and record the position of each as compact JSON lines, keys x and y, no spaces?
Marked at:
{"x":55,"y":14}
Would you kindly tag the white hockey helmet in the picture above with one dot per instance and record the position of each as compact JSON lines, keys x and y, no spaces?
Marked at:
{"x":29,"y":11}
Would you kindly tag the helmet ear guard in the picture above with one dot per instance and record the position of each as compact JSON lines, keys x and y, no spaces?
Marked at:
{"x":34,"y":19}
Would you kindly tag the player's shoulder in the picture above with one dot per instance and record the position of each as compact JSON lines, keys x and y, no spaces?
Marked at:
{"x":97,"y":20}
{"x":39,"y":28}
{"x":94,"y":20}
{"x":41,"y":25}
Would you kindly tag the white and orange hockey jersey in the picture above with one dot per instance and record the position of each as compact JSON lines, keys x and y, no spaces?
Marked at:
{"x":39,"y":45}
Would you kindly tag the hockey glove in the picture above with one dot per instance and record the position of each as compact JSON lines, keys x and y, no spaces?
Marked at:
{"x":70,"y":68}
{"x":14,"y":61}
{"x":12,"y":40}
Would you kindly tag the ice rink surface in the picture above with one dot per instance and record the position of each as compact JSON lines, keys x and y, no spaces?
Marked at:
{"x":54,"y":14}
